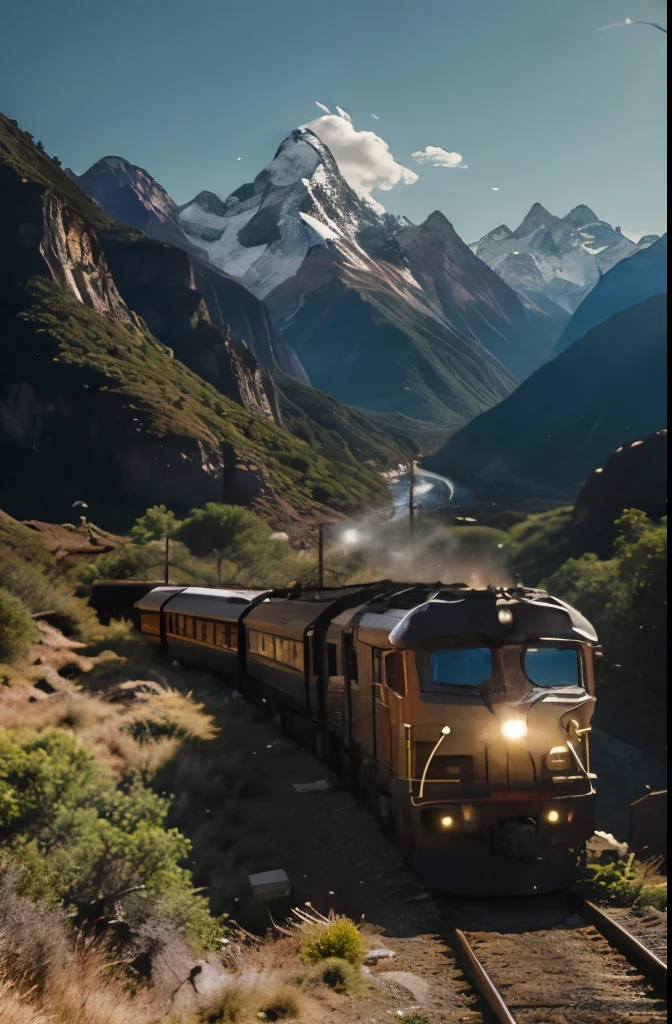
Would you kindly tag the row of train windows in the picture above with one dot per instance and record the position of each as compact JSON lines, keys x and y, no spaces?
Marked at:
{"x":221,"y":634}
{"x":277,"y":648}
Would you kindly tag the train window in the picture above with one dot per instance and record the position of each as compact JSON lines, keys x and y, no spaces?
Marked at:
{"x":332,"y":660}
{"x":466,"y":666}
{"x":233,"y":638}
{"x":170,"y":623}
{"x":194,"y":623}
{"x":204,"y":632}
{"x":552,"y":666}
{"x":394,"y":673}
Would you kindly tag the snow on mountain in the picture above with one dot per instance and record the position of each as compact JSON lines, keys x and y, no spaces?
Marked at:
{"x":555,"y":258}
{"x":262,"y":233}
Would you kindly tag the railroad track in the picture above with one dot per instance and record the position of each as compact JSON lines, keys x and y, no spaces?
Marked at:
{"x":556,"y":960}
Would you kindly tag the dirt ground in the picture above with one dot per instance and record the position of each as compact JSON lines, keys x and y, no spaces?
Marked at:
{"x":338,"y":859}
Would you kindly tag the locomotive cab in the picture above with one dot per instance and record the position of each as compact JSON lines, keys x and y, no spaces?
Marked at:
{"x":499,"y":697}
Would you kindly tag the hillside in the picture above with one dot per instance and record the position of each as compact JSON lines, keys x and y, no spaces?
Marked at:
{"x":627,"y":283}
{"x":92,"y":403}
{"x":545,"y":438}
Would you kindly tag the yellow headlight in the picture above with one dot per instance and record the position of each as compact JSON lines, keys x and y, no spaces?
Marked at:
{"x":514,"y":729}
{"x":446,"y":822}
{"x":553,"y":817}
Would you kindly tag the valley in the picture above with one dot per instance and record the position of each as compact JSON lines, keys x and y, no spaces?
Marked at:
{"x":333,"y":545}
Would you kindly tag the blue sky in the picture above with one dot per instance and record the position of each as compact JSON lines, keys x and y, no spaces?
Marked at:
{"x":540,"y":104}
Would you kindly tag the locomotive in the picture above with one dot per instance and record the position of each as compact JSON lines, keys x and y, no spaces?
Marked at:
{"x":461,"y":715}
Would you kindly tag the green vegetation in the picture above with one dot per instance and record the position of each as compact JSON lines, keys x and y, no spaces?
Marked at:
{"x":215,"y":544}
{"x":81,"y":838}
{"x":17,"y":629}
{"x":625,"y":598}
{"x":540,"y":544}
{"x":623,"y":883}
{"x":338,"y":937}
{"x":158,"y":522}
{"x":339,"y":974}
{"x":60,"y":345}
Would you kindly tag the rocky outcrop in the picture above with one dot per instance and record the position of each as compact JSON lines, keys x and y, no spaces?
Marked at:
{"x":634,"y":476}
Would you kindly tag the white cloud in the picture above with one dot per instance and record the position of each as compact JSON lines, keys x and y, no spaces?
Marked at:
{"x":363,"y":158}
{"x":322,"y":107}
{"x":376,"y":117}
{"x":438,"y":157}
{"x":495,"y":189}
{"x":344,"y":114}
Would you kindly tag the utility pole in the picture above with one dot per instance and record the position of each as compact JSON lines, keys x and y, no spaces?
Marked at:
{"x":320,"y":555}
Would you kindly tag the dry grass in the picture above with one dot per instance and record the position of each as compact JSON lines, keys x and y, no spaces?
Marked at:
{"x":253,"y":996}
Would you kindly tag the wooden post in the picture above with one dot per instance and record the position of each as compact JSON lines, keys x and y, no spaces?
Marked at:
{"x":166,"y":561}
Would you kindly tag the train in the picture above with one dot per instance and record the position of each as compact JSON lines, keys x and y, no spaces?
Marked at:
{"x":460,"y":715}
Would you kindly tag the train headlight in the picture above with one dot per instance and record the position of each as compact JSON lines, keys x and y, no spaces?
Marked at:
{"x":553,"y":817}
{"x":447,"y":821}
{"x":514,"y":729}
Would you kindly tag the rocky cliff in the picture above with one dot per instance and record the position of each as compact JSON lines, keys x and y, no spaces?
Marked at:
{"x":94,"y":405}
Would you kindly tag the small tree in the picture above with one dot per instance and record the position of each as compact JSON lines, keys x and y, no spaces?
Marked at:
{"x":157,"y":522}
{"x":225,"y":529}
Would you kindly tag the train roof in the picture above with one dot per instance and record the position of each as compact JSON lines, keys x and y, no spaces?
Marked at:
{"x":156,"y":598}
{"x":226,"y":604}
{"x":515,"y":613}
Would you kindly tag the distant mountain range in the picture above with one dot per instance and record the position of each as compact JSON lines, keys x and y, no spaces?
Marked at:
{"x":605,"y":389}
{"x":382,"y":314}
{"x":556,"y":259}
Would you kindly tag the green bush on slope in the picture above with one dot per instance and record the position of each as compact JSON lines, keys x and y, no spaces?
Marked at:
{"x":79,"y":837}
{"x":17,"y":629}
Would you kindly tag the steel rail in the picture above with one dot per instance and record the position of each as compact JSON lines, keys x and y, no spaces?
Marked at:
{"x":640,"y":956}
{"x":483,"y":981}
{"x":635,"y":952}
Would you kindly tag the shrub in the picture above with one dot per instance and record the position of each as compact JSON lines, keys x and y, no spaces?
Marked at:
{"x":338,"y":974}
{"x":338,"y":937}
{"x":280,"y":1004}
{"x":17,"y":629}
{"x":79,"y":837}
{"x":40,"y":592}
{"x":624,"y":883}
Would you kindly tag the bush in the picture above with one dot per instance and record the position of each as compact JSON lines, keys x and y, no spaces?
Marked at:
{"x":40,"y":591}
{"x":339,"y":938}
{"x":17,"y":629}
{"x":79,"y":837}
{"x":623,"y":883}
{"x":338,"y":974}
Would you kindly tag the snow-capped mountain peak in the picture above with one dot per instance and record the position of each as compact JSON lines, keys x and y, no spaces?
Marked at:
{"x":536,"y":217}
{"x":555,"y":258}
{"x":263,"y":231}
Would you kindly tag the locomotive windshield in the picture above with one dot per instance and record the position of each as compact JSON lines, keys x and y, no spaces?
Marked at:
{"x":552,"y":666}
{"x":542,"y":663}
{"x":469,"y":666}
